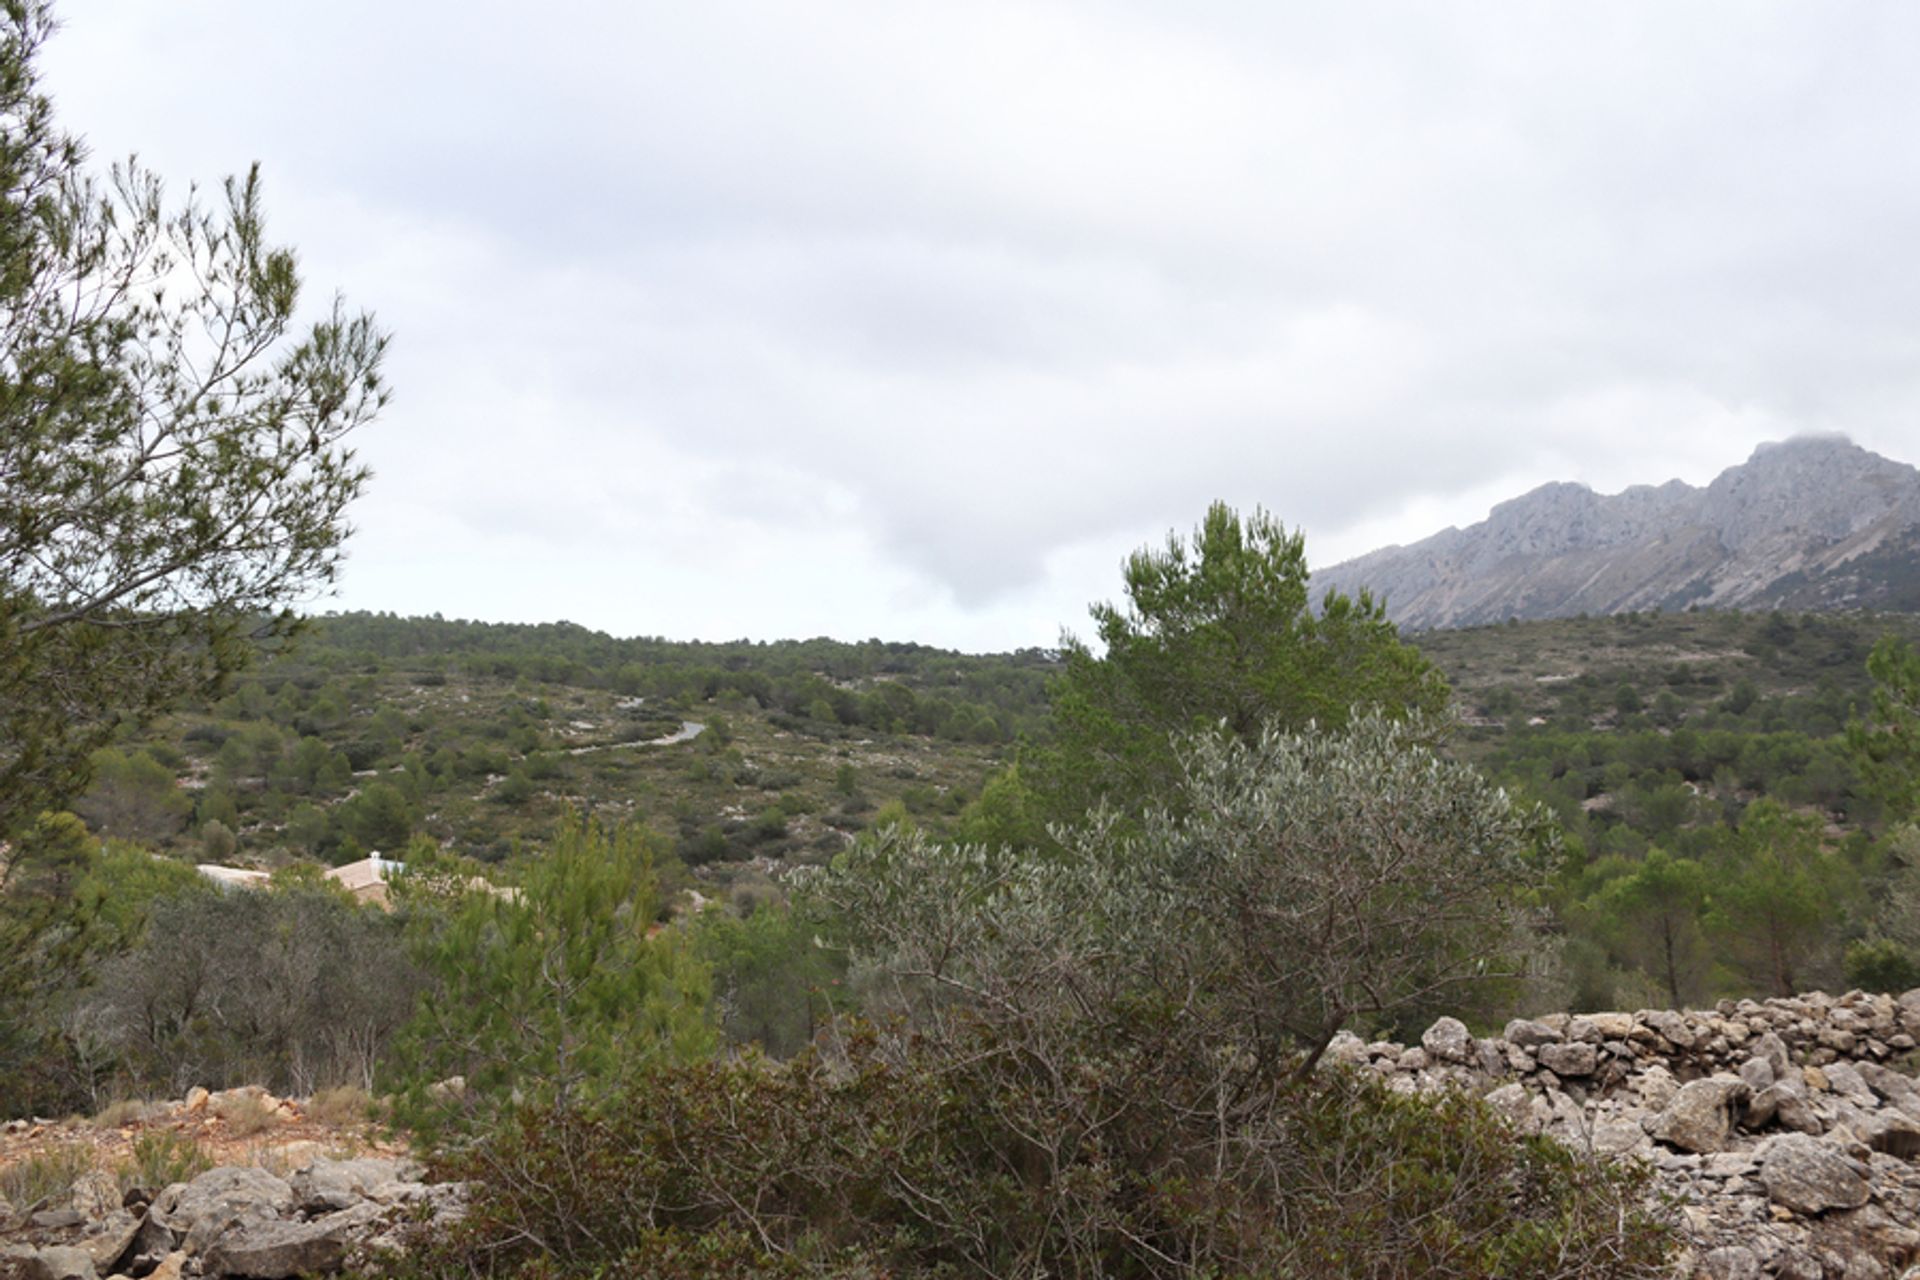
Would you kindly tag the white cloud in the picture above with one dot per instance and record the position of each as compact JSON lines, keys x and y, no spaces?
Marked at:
{"x":911,"y":319}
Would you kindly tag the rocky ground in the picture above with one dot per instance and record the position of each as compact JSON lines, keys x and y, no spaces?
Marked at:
{"x":1784,"y":1131}
{"x":265,"y":1188}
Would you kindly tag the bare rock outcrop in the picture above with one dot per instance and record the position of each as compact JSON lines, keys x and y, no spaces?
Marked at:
{"x":241,"y":1222}
{"x":1813,"y":523}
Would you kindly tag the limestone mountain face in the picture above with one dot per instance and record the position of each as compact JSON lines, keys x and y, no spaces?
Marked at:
{"x":1815,"y":523}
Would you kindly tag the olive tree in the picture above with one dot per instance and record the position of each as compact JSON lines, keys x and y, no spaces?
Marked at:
{"x":1303,"y":882}
{"x":173,"y":458}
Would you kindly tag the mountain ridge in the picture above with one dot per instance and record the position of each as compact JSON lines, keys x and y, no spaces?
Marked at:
{"x":1812,"y":523}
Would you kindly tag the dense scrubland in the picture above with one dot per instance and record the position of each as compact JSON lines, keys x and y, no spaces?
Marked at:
{"x":1047,"y":945}
{"x":1651,"y":737}
{"x":845,"y":960}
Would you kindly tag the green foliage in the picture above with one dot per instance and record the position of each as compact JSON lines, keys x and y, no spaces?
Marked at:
{"x":1006,"y":812}
{"x":1302,"y":882}
{"x":1888,"y":746}
{"x":1653,"y":915}
{"x":378,"y":818}
{"x":295,"y":987}
{"x":45,"y":1179}
{"x":1774,"y":907}
{"x":1881,"y":964}
{"x":910,"y":1163}
{"x":1219,"y":631}
{"x":556,"y":990}
{"x":134,"y":797}
{"x":773,"y":984}
{"x":162,"y":1157}
{"x":173,"y":463}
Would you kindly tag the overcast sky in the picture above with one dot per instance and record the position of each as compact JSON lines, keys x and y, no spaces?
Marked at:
{"x":725,"y":319}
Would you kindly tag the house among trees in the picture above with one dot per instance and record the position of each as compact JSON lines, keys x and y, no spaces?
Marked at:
{"x":366,"y":879}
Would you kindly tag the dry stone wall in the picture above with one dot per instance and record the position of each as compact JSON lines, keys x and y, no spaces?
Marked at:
{"x":1785,"y":1131}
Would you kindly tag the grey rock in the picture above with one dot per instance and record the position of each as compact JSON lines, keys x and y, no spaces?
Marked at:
{"x":1448,"y":1040}
{"x":112,"y":1241}
{"x":1528,"y":1034}
{"x":327,"y":1186}
{"x":1825,"y":506}
{"x":1619,"y":1137}
{"x":1892,"y":1133}
{"x":1773,"y":1050}
{"x":61,"y":1262}
{"x":1671,"y":1026}
{"x":1573,"y":1060}
{"x":1893,"y":1088}
{"x":274,"y":1250}
{"x":1700,"y":1116}
{"x":1515,"y":1102}
{"x":1656,"y":1087}
{"x":1807,"y":1175}
{"x":1845,"y":1079}
{"x":226,"y":1193}
{"x":1758,"y":1073}
{"x":1731,"y":1262}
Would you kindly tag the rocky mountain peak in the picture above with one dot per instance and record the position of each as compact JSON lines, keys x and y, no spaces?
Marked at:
{"x":1813,"y":522}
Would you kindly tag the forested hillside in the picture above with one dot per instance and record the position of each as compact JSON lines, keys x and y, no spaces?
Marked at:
{"x":1651,"y":737}
{"x":374,"y":729}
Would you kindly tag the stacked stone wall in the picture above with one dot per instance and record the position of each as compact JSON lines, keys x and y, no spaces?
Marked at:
{"x":1785,"y":1131}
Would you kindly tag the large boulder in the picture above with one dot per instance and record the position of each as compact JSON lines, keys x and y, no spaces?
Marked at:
{"x":198,"y":1213}
{"x":1700,"y":1116}
{"x":327,"y":1186}
{"x":1807,"y":1175}
{"x":228,"y":1191}
{"x":274,"y":1250}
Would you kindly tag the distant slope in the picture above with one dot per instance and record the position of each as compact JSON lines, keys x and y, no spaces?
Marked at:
{"x":1815,"y":523}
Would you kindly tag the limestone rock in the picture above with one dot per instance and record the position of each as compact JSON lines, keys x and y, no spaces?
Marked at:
{"x":327,"y":1186}
{"x":1700,"y":1116}
{"x":1528,"y":1034}
{"x":1448,"y":1040}
{"x":275,"y":1250}
{"x":61,"y":1262}
{"x":1731,"y":1262}
{"x":111,"y":1242}
{"x":1807,"y":1175}
{"x":1569,"y":1060}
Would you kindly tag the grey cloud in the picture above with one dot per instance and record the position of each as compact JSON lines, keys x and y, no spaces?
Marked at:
{"x":951,"y":294}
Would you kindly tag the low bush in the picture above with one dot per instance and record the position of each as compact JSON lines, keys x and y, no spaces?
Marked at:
{"x":160,"y":1158}
{"x":883,"y":1162}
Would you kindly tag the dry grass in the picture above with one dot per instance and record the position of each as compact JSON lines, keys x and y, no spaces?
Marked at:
{"x":160,"y":1158}
{"x":339,"y":1108}
{"x":46,"y":1179}
{"x":250,"y":1116}
{"x":118,"y":1115}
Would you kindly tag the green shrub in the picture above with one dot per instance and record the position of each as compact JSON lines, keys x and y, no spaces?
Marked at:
{"x":1881,"y":964}
{"x":889,"y":1163}
{"x":557,"y":990}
